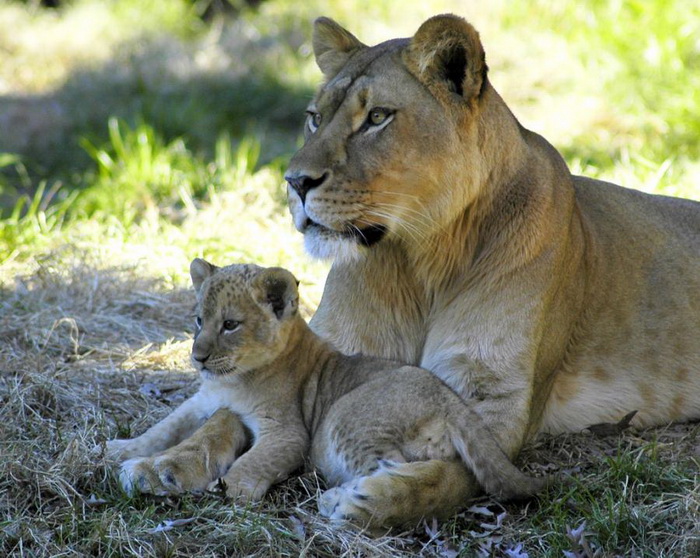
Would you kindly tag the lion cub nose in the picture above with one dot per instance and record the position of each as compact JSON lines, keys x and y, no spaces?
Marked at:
{"x":302,"y":184}
{"x":201,"y":358}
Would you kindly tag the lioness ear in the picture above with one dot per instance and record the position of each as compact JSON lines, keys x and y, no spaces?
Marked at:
{"x":277,"y":288}
{"x":447,"y":56}
{"x":333,"y":45}
{"x":200,"y":270}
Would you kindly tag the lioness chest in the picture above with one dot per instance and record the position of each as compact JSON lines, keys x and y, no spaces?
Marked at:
{"x":631,"y":346}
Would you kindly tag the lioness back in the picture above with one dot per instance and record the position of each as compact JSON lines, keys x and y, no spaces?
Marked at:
{"x":645,"y":265}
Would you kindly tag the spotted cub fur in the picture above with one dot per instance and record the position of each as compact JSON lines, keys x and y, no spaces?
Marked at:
{"x":393,"y":442}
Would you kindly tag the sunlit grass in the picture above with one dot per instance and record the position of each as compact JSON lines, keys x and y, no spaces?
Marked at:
{"x":160,"y":204}
{"x":643,"y":59}
{"x":45,"y":46}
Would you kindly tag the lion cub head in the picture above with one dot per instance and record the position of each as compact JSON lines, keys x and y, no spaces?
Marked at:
{"x":243,"y":316}
{"x":392,"y":141}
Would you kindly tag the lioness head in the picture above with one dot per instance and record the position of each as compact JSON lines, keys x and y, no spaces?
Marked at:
{"x":392,"y":142}
{"x":243,"y":316}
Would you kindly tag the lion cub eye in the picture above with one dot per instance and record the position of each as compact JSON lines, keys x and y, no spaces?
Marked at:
{"x":230,"y":325}
{"x":198,"y":323}
{"x":315,"y":119}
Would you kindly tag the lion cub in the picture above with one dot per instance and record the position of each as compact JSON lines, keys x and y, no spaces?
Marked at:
{"x":382,"y":434}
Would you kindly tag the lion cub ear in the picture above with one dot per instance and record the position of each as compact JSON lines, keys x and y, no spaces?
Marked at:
{"x":200,"y":270}
{"x":277,"y":288}
{"x":447,"y":56}
{"x":333,"y":45}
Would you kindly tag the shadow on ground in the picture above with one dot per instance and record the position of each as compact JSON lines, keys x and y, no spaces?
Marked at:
{"x":234,"y":84}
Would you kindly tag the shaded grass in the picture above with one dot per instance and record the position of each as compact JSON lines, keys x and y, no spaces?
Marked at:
{"x":637,"y":493}
{"x":162,"y":66}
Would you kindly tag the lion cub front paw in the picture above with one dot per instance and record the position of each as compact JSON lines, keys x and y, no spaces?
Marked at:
{"x":164,"y":474}
{"x":242,"y":489}
{"x":138,"y":475}
{"x":120,"y":450}
{"x":347,"y":502}
{"x":373,"y":501}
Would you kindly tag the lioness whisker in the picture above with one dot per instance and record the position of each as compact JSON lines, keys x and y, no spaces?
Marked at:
{"x":414,"y":232}
{"x":422,"y":220}
{"x":396,"y":194}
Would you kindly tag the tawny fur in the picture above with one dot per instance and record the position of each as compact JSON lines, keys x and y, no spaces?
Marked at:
{"x":548,"y":302}
{"x":394,"y":440}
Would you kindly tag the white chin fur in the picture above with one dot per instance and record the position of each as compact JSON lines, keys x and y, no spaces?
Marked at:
{"x":326,"y":247}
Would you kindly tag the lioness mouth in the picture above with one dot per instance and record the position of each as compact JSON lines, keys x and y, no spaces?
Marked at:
{"x":368,"y":236}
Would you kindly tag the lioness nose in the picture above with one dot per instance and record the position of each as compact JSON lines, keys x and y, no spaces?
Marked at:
{"x":302,"y":184}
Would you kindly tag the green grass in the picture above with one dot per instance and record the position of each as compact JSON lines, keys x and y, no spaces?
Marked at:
{"x":144,"y":138}
{"x":644,"y":58}
{"x":633,"y":502}
{"x":651,"y":49}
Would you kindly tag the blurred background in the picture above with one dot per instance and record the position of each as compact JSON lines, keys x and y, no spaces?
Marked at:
{"x":161,"y":128}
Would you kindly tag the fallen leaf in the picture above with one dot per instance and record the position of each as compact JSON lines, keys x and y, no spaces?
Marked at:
{"x":170,"y":524}
{"x":493,"y":526}
{"x":150,"y":390}
{"x":298,"y":527}
{"x":481,"y":510}
{"x":95,"y":501}
{"x":603,"y":429}
{"x":516,"y":552}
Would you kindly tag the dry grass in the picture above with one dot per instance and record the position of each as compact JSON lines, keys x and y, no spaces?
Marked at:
{"x":92,"y":351}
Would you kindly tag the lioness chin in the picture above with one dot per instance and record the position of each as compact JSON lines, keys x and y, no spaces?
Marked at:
{"x":462,"y":243}
{"x":384,"y":435}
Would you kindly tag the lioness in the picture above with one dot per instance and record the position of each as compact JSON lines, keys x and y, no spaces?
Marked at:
{"x":376,"y":426}
{"x":462,"y":243}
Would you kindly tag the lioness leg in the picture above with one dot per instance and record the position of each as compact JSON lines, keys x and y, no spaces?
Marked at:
{"x":192,"y":464}
{"x":399,"y":494}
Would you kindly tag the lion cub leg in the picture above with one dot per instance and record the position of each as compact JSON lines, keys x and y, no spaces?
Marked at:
{"x":425,"y":455}
{"x":399,"y":494}
{"x":174,"y":428}
{"x":192,"y":464}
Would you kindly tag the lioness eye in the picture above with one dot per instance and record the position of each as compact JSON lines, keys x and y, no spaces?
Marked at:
{"x":198,"y":323}
{"x":230,"y":325}
{"x":377,"y":118}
